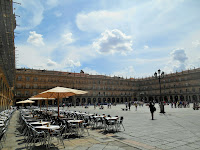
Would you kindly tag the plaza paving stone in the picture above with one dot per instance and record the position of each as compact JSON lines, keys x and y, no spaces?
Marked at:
{"x":178,"y":128}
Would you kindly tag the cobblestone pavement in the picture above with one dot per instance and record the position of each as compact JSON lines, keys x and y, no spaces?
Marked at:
{"x":178,"y":128}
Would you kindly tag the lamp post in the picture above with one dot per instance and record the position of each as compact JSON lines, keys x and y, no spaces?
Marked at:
{"x":159,"y":76}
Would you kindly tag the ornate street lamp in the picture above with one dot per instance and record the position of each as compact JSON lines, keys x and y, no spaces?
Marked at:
{"x":159,"y":76}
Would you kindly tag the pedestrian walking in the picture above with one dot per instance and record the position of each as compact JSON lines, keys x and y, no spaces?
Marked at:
{"x":135,"y":106}
{"x":152,"y":109}
{"x":129,"y":105}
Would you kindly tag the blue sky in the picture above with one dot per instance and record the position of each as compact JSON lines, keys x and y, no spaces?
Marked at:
{"x":129,"y":38}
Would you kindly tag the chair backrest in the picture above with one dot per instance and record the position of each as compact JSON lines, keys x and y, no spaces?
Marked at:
{"x":121,"y":119}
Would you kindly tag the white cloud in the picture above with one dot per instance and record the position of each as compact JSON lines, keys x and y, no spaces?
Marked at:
{"x":52,"y":3}
{"x":178,"y":61}
{"x":90,"y":71}
{"x":67,"y":38}
{"x":146,"y":47}
{"x":179,"y":55}
{"x":196,"y":43}
{"x":31,"y":13}
{"x":58,"y":14}
{"x":125,"y":72}
{"x":35,"y":39}
{"x":69,"y":63}
{"x":98,"y":21}
{"x":51,"y":63}
{"x":113,"y":41}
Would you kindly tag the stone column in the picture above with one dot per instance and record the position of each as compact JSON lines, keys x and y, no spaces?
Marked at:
{"x":197,"y":98}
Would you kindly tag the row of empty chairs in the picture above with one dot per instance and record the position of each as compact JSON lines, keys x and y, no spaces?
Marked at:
{"x":5,"y":117}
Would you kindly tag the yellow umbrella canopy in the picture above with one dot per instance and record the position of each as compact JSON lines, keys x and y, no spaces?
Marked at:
{"x":29,"y":101}
{"x":60,"y":92}
{"x":40,"y":99}
{"x":26,"y":101}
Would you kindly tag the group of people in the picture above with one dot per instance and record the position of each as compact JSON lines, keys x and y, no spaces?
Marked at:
{"x":180,"y":104}
{"x":128,"y":105}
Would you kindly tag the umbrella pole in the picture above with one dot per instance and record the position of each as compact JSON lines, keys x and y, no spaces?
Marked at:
{"x":40,"y":104}
{"x":47,"y":103}
{"x":58,"y":105}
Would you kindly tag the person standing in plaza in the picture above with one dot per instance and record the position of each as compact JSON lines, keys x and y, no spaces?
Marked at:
{"x":135,"y":106}
{"x":129,"y":105}
{"x":152,"y":109}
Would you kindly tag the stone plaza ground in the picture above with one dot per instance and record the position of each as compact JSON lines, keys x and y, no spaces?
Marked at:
{"x":177,"y":129}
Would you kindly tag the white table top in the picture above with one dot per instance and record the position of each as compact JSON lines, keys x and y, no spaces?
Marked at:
{"x":112,"y":118}
{"x":39,"y":123}
{"x":75,"y":121}
{"x":52,"y":127}
{"x":2,"y":125}
{"x":98,"y":116}
{"x":3,"y":119}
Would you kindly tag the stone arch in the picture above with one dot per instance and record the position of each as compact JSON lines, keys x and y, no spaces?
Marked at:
{"x":104,"y":100}
{"x":113,"y":100}
{"x":83,"y":100}
{"x":126,"y":99}
{"x":99,"y":100}
{"x":94,"y":100}
{"x":109,"y":100}
{"x":166,"y":99}
{"x":194,"y":98}
{"x":89,"y":100}
{"x":117,"y":100}
{"x":181,"y":97}
{"x":122,"y":100}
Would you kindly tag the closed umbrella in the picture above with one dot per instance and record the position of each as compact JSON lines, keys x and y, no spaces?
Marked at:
{"x":60,"y":92}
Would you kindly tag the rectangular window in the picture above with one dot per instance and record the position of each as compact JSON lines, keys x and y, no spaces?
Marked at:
{"x":26,"y":93}
{"x":27,"y":86}
{"x":35,"y":93}
{"x":35,"y":86}
{"x":19,"y":78}
{"x":19,"y":85}
{"x":27,"y":78}
{"x":35,"y":79}
{"x":18,"y":93}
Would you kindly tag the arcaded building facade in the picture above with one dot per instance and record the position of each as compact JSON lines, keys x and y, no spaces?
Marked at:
{"x":7,"y":54}
{"x":184,"y":86}
{"x":101,"y":89}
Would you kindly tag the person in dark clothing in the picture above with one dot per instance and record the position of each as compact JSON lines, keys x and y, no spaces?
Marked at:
{"x":129,"y":105}
{"x":152,"y":109}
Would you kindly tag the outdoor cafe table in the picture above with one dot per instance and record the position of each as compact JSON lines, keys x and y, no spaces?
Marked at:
{"x":112,"y":118}
{"x":3,"y":119}
{"x":39,"y":123}
{"x":78,"y":113}
{"x":99,"y":116}
{"x":77,"y":122}
{"x":48,"y":128}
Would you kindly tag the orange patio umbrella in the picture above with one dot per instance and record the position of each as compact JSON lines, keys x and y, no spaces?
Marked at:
{"x":60,"y":92}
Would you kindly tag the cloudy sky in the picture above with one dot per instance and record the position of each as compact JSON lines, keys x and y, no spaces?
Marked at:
{"x":129,"y":38}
